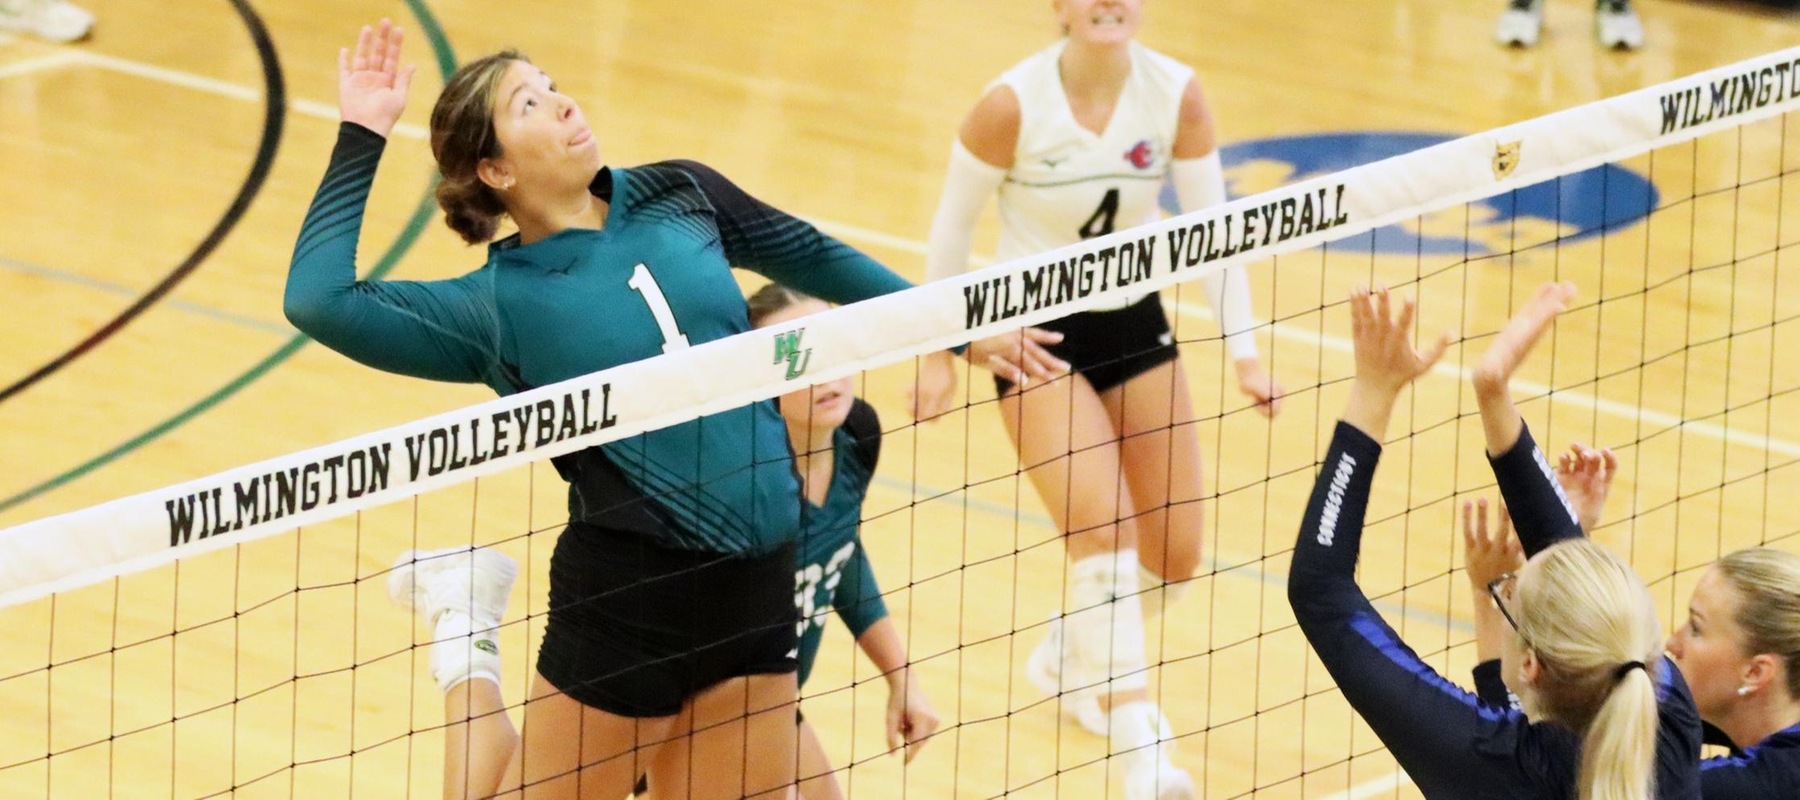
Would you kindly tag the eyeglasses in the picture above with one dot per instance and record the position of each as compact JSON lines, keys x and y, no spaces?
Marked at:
{"x":1502,"y":590}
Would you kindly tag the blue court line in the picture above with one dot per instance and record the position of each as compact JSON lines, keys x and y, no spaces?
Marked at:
{"x":1213,"y":565}
{"x":76,"y":279}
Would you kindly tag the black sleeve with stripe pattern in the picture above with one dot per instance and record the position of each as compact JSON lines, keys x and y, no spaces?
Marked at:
{"x":789,"y":250}
{"x":1541,"y":513}
{"x":440,"y":330}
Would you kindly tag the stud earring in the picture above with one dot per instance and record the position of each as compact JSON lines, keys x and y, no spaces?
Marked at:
{"x":1743,"y":691}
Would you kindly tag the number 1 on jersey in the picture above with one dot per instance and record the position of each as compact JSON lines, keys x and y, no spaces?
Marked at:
{"x":1101,"y":223}
{"x":645,"y":284}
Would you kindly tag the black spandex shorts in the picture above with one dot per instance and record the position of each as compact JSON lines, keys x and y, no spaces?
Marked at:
{"x":1111,"y":347}
{"x":635,"y":628}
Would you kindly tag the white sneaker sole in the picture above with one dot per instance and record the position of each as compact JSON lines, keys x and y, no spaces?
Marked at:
{"x":412,"y":565}
{"x":64,"y":24}
{"x":1519,"y":28}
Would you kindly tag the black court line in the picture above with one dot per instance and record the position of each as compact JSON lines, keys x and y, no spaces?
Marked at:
{"x":274,"y":115}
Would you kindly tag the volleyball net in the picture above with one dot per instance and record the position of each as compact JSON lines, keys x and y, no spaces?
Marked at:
{"x":232,"y":634}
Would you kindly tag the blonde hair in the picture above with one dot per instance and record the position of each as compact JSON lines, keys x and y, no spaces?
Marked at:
{"x":1592,"y":624}
{"x":462,"y":135}
{"x":1768,"y":586}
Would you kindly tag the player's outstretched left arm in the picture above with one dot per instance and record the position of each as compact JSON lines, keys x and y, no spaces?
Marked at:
{"x":1542,"y":513}
{"x":1429,"y":724}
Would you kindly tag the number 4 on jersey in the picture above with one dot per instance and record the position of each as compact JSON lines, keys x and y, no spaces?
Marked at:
{"x":1101,"y":223}
{"x":645,"y":284}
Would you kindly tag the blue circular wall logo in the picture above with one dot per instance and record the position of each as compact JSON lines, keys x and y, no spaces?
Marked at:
{"x":1575,"y":206}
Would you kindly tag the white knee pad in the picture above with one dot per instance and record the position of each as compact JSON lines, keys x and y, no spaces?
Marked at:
{"x":1104,"y":624}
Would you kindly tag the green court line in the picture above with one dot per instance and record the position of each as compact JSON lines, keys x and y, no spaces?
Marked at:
{"x":421,"y":216}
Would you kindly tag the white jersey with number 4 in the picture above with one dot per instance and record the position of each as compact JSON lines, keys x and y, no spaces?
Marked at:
{"x":1068,"y":183}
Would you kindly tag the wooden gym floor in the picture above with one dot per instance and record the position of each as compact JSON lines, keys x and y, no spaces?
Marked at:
{"x":121,"y":154}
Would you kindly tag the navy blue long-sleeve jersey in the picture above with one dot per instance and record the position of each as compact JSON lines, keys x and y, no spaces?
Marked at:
{"x":1767,"y":770}
{"x":1450,"y":743}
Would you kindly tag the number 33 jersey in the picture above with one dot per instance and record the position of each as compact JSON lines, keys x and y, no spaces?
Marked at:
{"x":1068,"y":183}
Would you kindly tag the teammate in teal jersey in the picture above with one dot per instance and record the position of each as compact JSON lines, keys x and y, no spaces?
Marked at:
{"x":671,"y":588}
{"x":838,"y":439}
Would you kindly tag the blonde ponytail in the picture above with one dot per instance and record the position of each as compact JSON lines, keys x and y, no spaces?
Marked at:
{"x":1593,"y":626}
{"x":1618,"y":754}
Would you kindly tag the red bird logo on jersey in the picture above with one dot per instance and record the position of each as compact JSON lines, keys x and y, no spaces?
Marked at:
{"x":1141,"y":155}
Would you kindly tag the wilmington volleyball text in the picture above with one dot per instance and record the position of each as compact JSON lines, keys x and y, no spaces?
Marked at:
{"x":276,"y":494}
{"x":1128,"y":262}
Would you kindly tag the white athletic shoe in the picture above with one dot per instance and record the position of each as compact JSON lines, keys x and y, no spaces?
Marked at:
{"x":461,"y":593}
{"x":1616,"y":25}
{"x":1520,"y":24}
{"x":52,"y":20}
{"x":1045,"y":669}
{"x":476,"y":582}
{"x":1149,"y":774}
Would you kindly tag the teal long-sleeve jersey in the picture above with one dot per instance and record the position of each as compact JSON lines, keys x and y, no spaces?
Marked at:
{"x":654,"y":279}
{"x":834,"y":571}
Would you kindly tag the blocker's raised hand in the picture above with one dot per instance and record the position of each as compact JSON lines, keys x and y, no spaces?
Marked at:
{"x":1586,"y":475}
{"x":1385,"y":355}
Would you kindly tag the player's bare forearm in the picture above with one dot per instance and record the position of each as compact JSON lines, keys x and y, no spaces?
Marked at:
{"x":886,"y":650}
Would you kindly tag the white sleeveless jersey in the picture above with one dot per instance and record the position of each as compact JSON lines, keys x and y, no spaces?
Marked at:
{"x":1068,"y":183}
